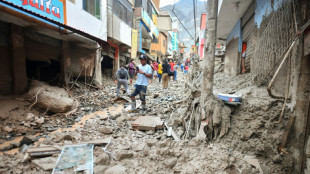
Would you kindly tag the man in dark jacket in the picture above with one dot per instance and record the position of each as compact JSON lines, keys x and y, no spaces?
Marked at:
{"x":166,"y":69}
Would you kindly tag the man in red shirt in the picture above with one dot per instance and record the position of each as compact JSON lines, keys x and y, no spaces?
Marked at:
{"x":171,"y":68}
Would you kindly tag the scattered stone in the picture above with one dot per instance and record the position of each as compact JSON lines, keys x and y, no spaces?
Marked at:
{"x":103,"y":159}
{"x":119,"y":169}
{"x":106,"y":130}
{"x":123,"y":154}
{"x":26,"y":140}
{"x":30,"y":117}
{"x":150,"y":132}
{"x":40,"y":120}
{"x":7,"y":129}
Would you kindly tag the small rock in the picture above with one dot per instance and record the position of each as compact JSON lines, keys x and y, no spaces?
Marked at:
{"x":23,"y":148}
{"x":27,"y":124}
{"x":151,"y":132}
{"x":30,"y":117}
{"x":151,"y":142}
{"x":7,"y":129}
{"x":26,"y":141}
{"x":119,"y":169}
{"x":106,"y":130}
{"x":40,"y":120}
{"x":123,"y":154}
{"x":103,"y":159}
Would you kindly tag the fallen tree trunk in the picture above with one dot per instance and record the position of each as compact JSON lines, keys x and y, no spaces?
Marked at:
{"x":51,"y":98}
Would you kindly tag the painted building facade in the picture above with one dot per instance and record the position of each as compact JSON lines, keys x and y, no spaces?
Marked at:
{"x":45,"y":41}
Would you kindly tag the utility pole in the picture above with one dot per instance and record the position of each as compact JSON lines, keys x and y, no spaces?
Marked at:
{"x":210,"y":42}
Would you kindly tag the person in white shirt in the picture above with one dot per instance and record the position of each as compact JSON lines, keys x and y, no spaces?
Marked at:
{"x":143,"y":72}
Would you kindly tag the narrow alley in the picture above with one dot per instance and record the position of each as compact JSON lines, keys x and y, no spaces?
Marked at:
{"x":154,"y":86}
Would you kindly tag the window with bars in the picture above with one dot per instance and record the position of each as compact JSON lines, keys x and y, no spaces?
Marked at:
{"x":92,"y":7}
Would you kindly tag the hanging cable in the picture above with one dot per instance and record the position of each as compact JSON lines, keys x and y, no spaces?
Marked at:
{"x":194,"y":19}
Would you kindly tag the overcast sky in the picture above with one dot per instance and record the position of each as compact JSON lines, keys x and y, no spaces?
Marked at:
{"x":170,"y":2}
{"x":166,"y":2}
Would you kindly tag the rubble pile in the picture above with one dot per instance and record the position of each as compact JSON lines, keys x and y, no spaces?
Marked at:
{"x":250,"y":145}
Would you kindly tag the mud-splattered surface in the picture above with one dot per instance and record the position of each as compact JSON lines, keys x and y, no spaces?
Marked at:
{"x":253,"y":132}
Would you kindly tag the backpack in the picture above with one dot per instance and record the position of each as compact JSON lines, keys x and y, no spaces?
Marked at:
{"x":122,"y":73}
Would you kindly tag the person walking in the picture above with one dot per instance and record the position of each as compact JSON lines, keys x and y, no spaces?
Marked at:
{"x":166,"y":69}
{"x":155,"y":66}
{"x":159,"y":71}
{"x":121,"y":79}
{"x":175,"y":71}
{"x":171,"y":68}
{"x":131,"y":69}
{"x":143,"y":72}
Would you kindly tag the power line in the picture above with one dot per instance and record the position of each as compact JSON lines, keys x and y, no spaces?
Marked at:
{"x":183,"y":25}
{"x":194,"y":19}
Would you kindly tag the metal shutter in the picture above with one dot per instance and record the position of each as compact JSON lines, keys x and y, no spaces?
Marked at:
{"x":247,"y":36}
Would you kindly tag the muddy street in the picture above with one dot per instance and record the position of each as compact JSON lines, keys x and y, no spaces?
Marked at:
{"x":103,"y":119}
{"x":154,"y":86}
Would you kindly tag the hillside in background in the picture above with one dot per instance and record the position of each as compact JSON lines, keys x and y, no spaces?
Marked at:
{"x":185,"y":12}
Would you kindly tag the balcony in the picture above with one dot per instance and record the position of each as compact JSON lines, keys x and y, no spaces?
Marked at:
{"x":150,"y":28}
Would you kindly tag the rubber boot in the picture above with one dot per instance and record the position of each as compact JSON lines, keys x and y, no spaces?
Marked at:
{"x":143,"y":112}
{"x":133,"y":106}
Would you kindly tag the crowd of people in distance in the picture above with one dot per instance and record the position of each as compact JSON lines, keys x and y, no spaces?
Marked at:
{"x":146,"y":73}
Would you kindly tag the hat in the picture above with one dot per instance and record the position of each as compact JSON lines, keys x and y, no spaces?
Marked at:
{"x":143,"y":57}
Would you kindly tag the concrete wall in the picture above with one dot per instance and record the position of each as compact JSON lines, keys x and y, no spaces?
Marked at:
{"x":164,"y":23}
{"x":118,"y":30}
{"x":84,"y":21}
{"x":231,"y":63}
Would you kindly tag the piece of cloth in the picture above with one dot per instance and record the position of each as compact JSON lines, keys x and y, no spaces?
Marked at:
{"x":160,"y":69}
{"x":122,"y":82}
{"x":165,"y":80}
{"x":118,"y":73}
{"x":166,"y":68}
{"x":159,"y":77}
{"x":142,"y":79}
{"x":139,"y":90}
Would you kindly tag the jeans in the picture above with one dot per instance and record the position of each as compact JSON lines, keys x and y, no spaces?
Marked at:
{"x":159,"y":77}
{"x":122,"y":82}
{"x":175,"y":75}
{"x":141,"y":90}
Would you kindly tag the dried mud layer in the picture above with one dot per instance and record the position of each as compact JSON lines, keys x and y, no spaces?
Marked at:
{"x":249,"y":147}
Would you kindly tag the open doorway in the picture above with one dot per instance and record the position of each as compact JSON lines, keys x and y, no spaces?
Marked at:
{"x":107,"y":66}
{"x":48,"y":72}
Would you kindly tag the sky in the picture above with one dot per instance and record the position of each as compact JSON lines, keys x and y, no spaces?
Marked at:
{"x":170,"y":2}
{"x":167,"y":2}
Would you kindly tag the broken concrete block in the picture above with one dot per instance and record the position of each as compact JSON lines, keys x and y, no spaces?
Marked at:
{"x":99,"y":142}
{"x":30,"y":117}
{"x":46,"y":164}
{"x":147,"y":123}
{"x":40,"y":120}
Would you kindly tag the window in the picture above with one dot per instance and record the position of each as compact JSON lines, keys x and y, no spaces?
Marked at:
{"x":123,"y":10}
{"x":92,"y":7}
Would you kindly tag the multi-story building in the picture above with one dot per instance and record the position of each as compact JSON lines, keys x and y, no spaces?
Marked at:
{"x":160,"y":50}
{"x":120,"y":21}
{"x":145,"y":16}
{"x":51,"y":41}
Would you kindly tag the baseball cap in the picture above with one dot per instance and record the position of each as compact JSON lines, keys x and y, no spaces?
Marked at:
{"x":143,"y":57}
